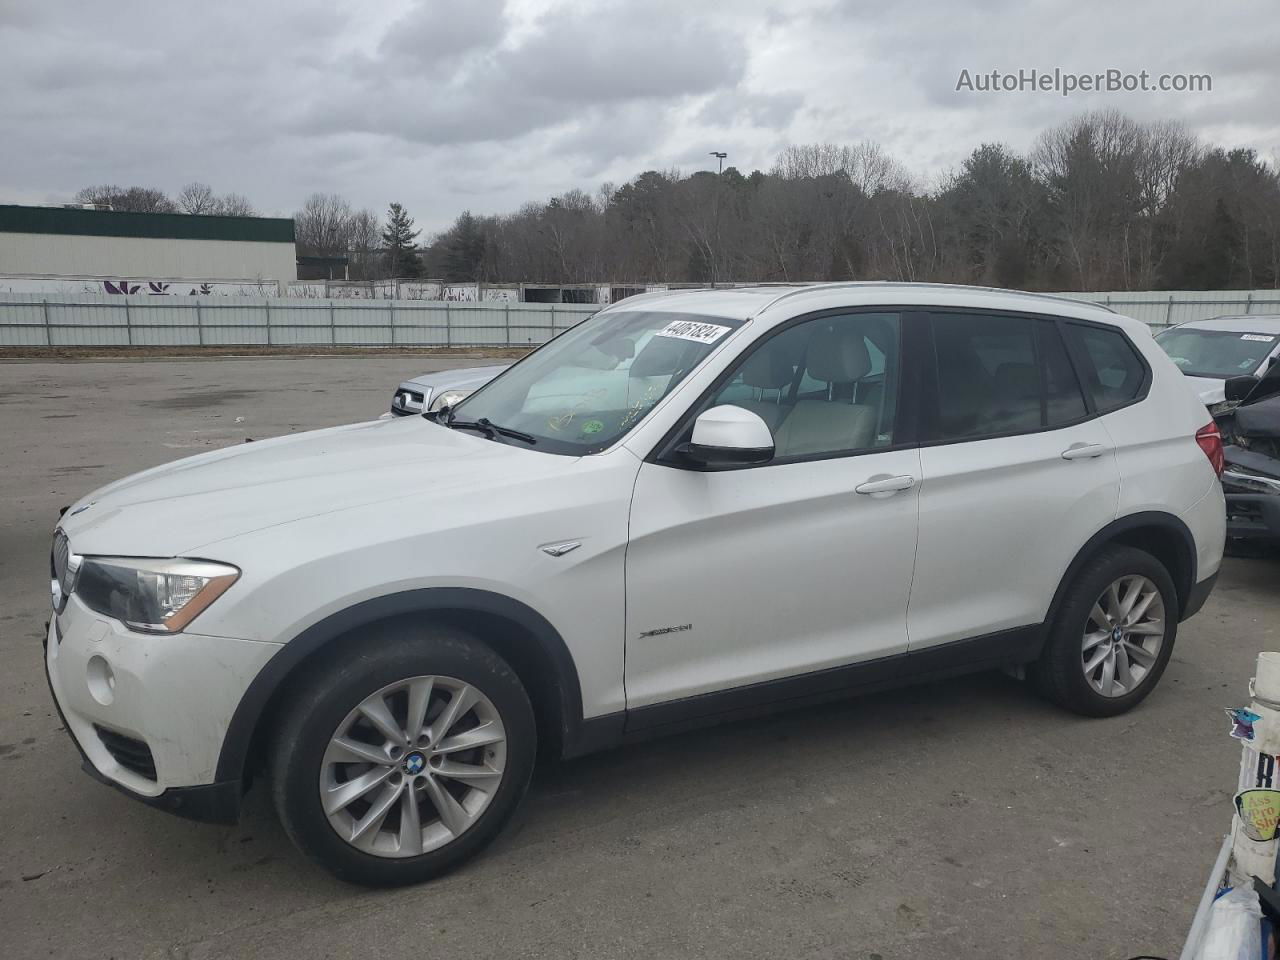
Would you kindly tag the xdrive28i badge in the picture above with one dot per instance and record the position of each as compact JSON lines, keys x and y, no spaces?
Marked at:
{"x":660,"y":631}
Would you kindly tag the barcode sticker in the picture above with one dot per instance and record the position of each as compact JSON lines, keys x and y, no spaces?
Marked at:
{"x":1258,"y":337}
{"x":691,"y":330}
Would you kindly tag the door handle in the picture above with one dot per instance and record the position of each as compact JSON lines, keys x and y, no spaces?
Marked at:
{"x":1084,"y":451}
{"x":885,"y":486}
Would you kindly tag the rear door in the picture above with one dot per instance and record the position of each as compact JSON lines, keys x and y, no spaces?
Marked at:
{"x":1149,"y":419}
{"x":1017,"y":474}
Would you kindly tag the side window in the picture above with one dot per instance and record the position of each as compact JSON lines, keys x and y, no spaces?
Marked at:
{"x":1114,"y":374}
{"x":1064,"y":402}
{"x":1000,"y":375}
{"x":825,"y":386}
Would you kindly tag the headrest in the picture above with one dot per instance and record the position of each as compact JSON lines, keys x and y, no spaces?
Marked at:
{"x":767,"y":369}
{"x":838,"y":355}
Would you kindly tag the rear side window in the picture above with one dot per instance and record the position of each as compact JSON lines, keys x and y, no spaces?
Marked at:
{"x":1064,"y":402}
{"x":1000,"y":375}
{"x":1113,"y":372}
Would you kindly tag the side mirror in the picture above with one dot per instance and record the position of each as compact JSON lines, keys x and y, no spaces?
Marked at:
{"x":727,"y":436}
{"x":1237,"y":388}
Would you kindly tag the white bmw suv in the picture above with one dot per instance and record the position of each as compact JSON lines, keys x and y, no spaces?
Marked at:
{"x":690,"y":506}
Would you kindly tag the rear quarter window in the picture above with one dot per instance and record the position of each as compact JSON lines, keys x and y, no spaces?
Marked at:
{"x":1114,"y":373}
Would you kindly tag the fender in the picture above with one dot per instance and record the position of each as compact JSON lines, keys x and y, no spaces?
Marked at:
{"x":244,"y":722}
{"x":1183,"y":580}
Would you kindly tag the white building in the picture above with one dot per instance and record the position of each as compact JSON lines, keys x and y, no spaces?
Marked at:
{"x":70,"y":250}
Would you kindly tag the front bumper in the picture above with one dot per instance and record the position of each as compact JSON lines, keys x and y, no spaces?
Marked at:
{"x":1253,"y":516}
{"x":149,"y":714}
{"x":212,"y":802}
{"x":1251,"y":483}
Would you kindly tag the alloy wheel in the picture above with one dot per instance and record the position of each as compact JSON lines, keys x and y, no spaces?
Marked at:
{"x":413,"y":766}
{"x":1123,"y":635}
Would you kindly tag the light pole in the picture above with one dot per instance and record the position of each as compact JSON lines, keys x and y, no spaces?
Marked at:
{"x":715,"y":207}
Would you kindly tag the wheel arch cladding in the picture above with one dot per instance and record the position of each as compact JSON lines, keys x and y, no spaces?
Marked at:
{"x":515,"y":631}
{"x":1162,"y":535}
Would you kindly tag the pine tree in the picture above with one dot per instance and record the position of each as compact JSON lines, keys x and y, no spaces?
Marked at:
{"x":398,"y":243}
{"x":463,"y":249}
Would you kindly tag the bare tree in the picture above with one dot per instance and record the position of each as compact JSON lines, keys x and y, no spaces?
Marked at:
{"x":1090,"y":166}
{"x":866,"y":165}
{"x":364,"y":237}
{"x":197,"y":198}
{"x":235,"y":205}
{"x":130,"y":199}
{"x":323,"y":225}
{"x":809,"y":161}
{"x":1166,"y":152}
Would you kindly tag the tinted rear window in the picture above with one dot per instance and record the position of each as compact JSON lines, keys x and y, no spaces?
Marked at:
{"x":999,"y":375}
{"x":1114,"y":374}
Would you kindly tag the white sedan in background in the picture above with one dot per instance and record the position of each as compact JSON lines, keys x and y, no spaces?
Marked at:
{"x":1211,"y":352}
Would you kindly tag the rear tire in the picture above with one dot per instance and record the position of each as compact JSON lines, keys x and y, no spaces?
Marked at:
{"x":1112,"y":636}
{"x":403,"y":753}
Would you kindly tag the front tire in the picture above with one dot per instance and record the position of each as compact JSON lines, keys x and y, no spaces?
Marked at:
{"x":1112,"y":636}
{"x":403,"y":754}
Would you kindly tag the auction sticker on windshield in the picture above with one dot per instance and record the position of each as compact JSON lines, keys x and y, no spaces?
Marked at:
{"x":1260,"y":338}
{"x":691,"y":330}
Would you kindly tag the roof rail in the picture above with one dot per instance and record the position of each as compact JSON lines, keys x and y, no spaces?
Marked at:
{"x":950,"y":286}
{"x":651,"y":295}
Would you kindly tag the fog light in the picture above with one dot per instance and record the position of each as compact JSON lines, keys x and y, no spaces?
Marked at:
{"x":102,"y":682}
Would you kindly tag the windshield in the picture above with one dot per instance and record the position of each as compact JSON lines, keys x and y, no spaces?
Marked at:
{"x":1216,"y":353}
{"x":588,"y":387}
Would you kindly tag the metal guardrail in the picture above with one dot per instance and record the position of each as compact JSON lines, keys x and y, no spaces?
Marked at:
{"x":105,"y":320}
{"x":87,"y":320}
{"x":1160,"y":309}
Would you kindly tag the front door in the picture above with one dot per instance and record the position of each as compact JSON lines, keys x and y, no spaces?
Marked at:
{"x":751,"y":575}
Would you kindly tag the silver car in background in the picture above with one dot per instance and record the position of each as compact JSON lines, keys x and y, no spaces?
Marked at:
{"x":1211,"y":352}
{"x":432,"y":391}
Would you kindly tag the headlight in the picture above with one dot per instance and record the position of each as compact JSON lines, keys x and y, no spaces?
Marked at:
{"x":154,"y":596}
{"x":449,"y":398}
{"x":1238,"y":479}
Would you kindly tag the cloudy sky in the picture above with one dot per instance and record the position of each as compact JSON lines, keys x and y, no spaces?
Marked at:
{"x":446,"y":105}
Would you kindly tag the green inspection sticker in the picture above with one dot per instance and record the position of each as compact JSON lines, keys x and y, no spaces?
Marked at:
{"x":592,"y":426}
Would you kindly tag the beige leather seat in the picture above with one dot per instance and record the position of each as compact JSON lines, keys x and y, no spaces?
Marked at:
{"x":819,"y":425}
{"x":767,"y":370}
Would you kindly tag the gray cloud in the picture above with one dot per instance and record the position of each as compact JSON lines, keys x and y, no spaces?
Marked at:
{"x":733,"y":107}
{"x":482,"y":104}
{"x":491,"y":88}
{"x":435,"y":35}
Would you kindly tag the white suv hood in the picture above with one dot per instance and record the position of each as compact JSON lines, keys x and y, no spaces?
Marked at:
{"x":175,"y":509}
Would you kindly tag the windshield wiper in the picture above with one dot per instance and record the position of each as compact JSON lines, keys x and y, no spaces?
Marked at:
{"x":490,"y":429}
